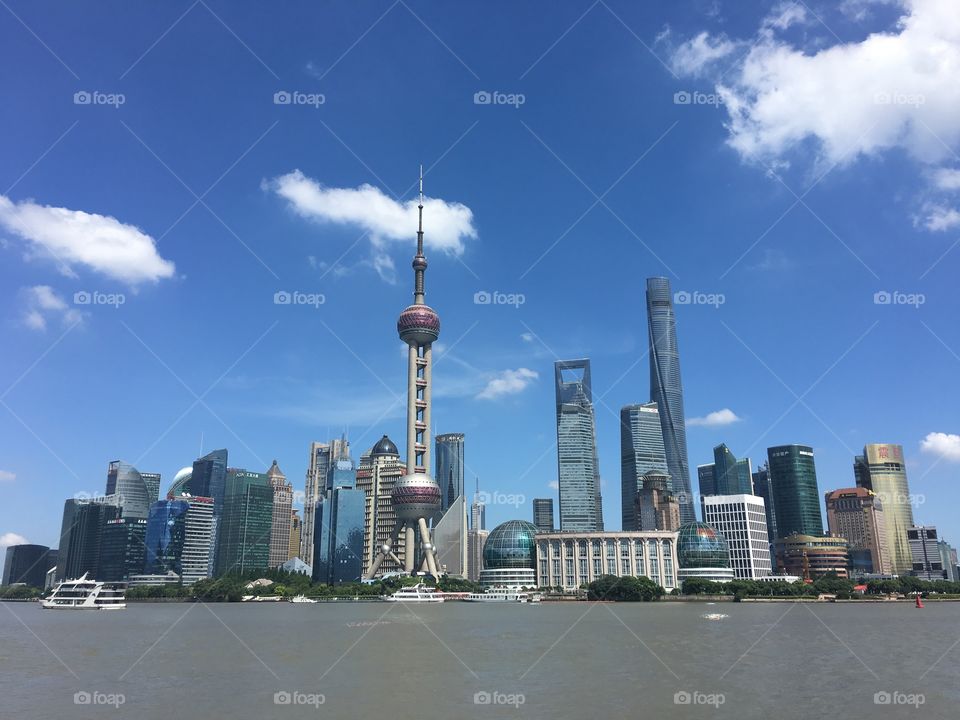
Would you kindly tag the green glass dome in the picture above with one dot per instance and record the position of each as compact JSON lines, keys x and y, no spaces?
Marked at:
{"x":510,"y":545}
{"x":700,"y":546}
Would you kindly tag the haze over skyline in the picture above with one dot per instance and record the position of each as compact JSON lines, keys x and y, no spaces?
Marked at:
{"x":208,"y":213}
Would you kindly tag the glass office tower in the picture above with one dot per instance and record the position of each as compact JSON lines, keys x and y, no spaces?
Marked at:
{"x":122,"y":550}
{"x":763,"y":488}
{"x":338,"y":536}
{"x":166,"y":529}
{"x":641,"y":451}
{"x":578,"y":469}
{"x":80,"y":537}
{"x":209,"y":478}
{"x":667,"y":391}
{"x":127,"y":489}
{"x":882,"y":470}
{"x":796,"y":499}
{"x":448,"y":467}
{"x":243,"y":541}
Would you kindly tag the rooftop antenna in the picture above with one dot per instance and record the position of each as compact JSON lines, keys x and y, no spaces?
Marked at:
{"x":201,"y":443}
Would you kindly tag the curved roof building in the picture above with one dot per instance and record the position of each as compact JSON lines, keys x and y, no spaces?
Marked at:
{"x":702,"y":552}
{"x":509,"y":555}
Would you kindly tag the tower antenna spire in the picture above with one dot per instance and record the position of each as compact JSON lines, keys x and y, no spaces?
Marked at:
{"x":419,"y":261}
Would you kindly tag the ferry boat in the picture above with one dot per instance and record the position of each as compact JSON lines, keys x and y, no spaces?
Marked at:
{"x":416,"y":593}
{"x":504,"y":594}
{"x":86,"y":594}
{"x":302,"y":599}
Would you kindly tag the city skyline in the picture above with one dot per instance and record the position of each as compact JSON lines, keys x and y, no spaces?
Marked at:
{"x":692,"y":201}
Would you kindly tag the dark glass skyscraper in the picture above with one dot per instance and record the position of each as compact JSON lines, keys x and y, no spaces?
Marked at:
{"x":27,"y":564}
{"x":122,"y":548}
{"x":338,"y":536}
{"x":641,"y":451}
{"x":209,"y":479}
{"x":667,"y":391}
{"x":763,"y":488}
{"x":166,"y":530}
{"x":243,"y":538}
{"x":543,"y":514}
{"x":80,"y":537}
{"x":796,"y":499}
{"x":578,"y":469}
{"x":726,"y":476}
{"x":448,"y":467}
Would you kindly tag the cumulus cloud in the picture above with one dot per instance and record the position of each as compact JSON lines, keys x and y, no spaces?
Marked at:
{"x":12,"y":538}
{"x":508,"y":382}
{"x":890,"y":90}
{"x":947,"y":179}
{"x":718,"y":418}
{"x":7,"y":476}
{"x":74,"y":237}
{"x":938,"y":218}
{"x":943,"y":445}
{"x":41,"y":302}
{"x":694,"y":56}
{"x":448,"y":225}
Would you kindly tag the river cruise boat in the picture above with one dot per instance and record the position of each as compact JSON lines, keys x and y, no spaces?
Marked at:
{"x":86,"y":594}
{"x":302,"y":599}
{"x":416,"y":593}
{"x":504,"y":594}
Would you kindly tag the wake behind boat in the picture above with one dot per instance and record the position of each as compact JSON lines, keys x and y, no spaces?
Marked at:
{"x":416,"y":593}
{"x":86,"y":594}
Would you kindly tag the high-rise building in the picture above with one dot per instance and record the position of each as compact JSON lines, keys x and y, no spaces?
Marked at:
{"x":196,"y":562}
{"x":478,"y":510}
{"x":742,"y":520}
{"x":322,"y":455}
{"x":796,"y":498}
{"x":947,"y":555}
{"x":295,"y":529}
{"x":655,"y":507}
{"x":577,"y":466}
{"x":122,"y":549}
{"x":377,"y":473}
{"x":129,"y":490}
{"x":243,"y":541}
{"x":543,"y":514}
{"x":762,"y":487}
{"x":338,"y":535}
{"x":450,"y":535}
{"x":641,"y":451}
{"x":165,"y":534}
{"x":882,"y":470}
{"x":811,"y":557}
{"x":927,"y":563}
{"x":208,"y":478}
{"x":448,"y":467}
{"x":475,"y":542}
{"x":726,"y":475}
{"x":416,"y":496}
{"x":857,"y":515}
{"x":282,"y":515}
{"x":152,"y":481}
{"x":666,"y":390}
{"x":27,"y":564}
{"x":80,"y":537}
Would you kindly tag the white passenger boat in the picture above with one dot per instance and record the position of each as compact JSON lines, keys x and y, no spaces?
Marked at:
{"x":302,"y":599}
{"x":503,"y":594}
{"x":86,"y":594}
{"x":416,"y":593}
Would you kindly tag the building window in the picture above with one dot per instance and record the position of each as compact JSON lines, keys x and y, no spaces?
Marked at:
{"x":597,"y":571}
{"x":624,"y":566}
{"x":611,"y":566}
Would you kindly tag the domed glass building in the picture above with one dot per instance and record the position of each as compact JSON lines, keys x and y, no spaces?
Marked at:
{"x":509,"y":556}
{"x":702,"y":552}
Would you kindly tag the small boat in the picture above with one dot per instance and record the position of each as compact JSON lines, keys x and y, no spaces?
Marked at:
{"x":302,"y":599}
{"x":416,"y":593}
{"x":86,"y":594}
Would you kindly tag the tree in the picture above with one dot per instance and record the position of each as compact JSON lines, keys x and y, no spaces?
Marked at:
{"x":624,"y":589}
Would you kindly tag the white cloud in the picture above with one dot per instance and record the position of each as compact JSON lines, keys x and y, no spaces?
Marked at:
{"x":694,"y":56}
{"x":938,"y":218}
{"x":944,"y":445}
{"x":508,"y":382}
{"x":41,"y":303}
{"x":891,"y":90}
{"x":73,"y":237}
{"x":527,"y":337}
{"x":947,"y":179}
{"x":553,"y":485}
{"x":718,"y":418}
{"x":447,"y":225}
{"x":7,"y":476}
{"x":12,"y":538}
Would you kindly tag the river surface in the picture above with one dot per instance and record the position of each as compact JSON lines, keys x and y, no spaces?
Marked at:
{"x":457,"y":660}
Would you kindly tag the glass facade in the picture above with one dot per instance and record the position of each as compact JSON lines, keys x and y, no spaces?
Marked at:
{"x":209,"y":478}
{"x":641,"y":451}
{"x":666,"y":389}
{"x":166,"y":530}
{"x":881,"y":469}
{"x":796,"y":499}
{"x":700,"y":546}
{"x":122,"y":549}
{"x":543,"y":514}
{"x":80,"y":536}
{"x":127,"y":489}
{"x":338,"y":536}
{"x":448,"y":467}
{"x":243,"y":541}
{"x":27,"y":564}
{"x":577,"y":465}
{"x":510,"y":545}
{"x":763,"y":488}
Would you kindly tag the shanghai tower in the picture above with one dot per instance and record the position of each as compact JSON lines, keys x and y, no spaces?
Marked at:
{"x":667,"y":391}
{"x":416,"y":497}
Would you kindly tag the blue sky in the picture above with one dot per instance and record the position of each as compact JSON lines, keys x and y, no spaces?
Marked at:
{"x":814,"y":166}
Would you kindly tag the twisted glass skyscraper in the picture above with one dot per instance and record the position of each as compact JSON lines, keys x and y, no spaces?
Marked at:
{"x":667,"y":391}
{"x":577,"y":466}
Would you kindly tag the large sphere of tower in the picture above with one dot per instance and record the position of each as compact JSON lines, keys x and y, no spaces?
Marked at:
{"x":415,"y":496}
{"x":419,"y":325}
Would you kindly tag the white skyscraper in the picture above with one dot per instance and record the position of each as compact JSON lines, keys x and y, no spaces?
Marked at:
{"x":742,"y":520}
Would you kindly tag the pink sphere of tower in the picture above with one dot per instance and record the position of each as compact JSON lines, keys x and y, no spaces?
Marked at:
{"x":419,"y":325}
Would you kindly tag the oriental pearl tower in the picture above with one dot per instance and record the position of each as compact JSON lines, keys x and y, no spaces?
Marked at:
{"x":416,"y":496}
